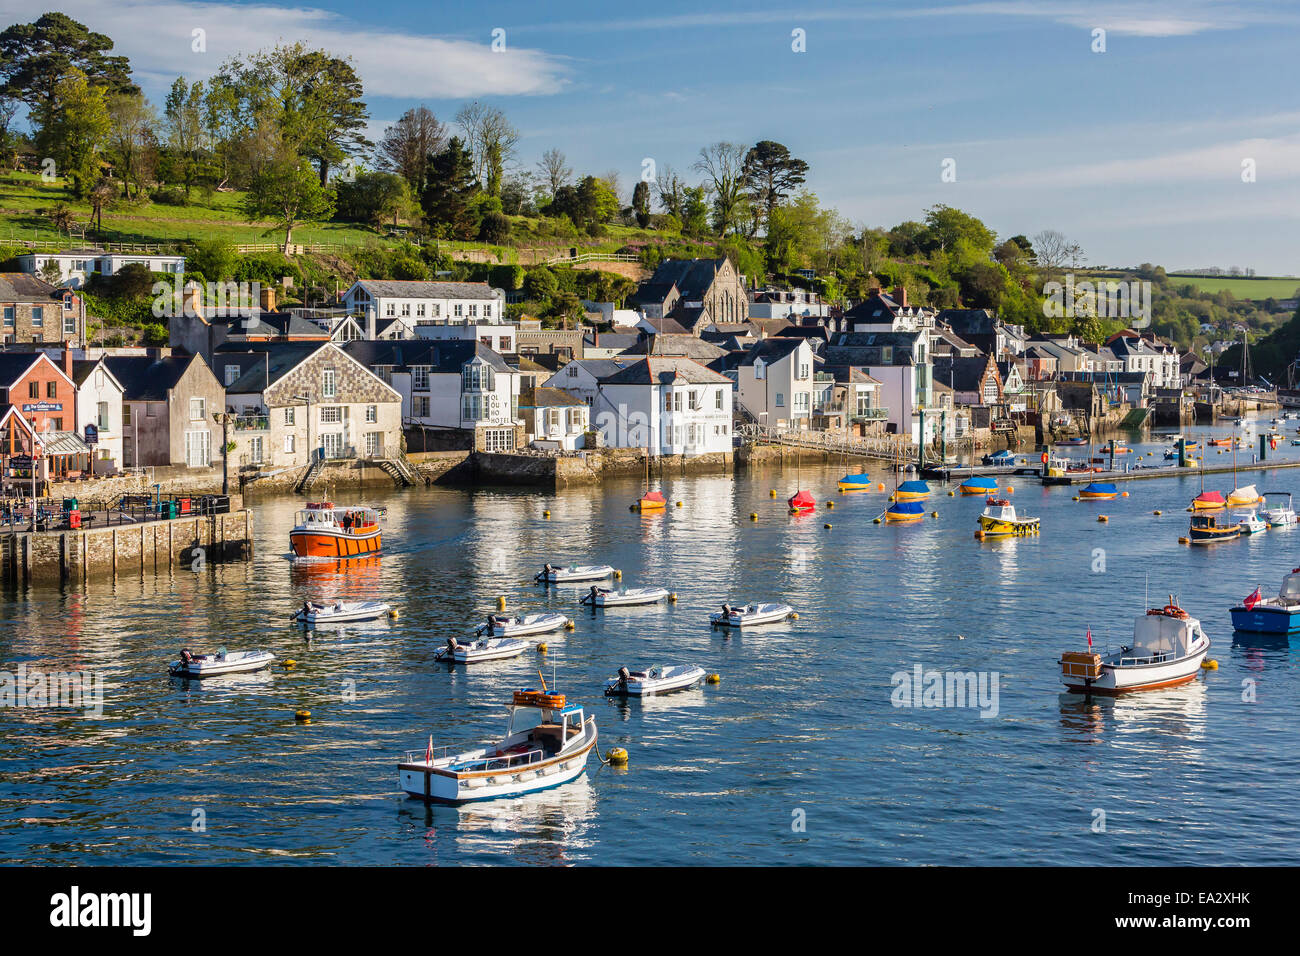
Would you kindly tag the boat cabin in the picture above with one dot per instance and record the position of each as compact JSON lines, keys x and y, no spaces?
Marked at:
{"x":542,"y":721}
{"x":324,"y":516}
{"x":1289,"y":592}
{"x":1162,"y":634}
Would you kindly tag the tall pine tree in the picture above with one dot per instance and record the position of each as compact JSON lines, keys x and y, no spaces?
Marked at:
{"x":449,"y":191}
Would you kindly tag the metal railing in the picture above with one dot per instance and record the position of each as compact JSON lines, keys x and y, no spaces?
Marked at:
{"x":251,"y":423}
{"x":891,"y":448}
{"x":505,"y":762}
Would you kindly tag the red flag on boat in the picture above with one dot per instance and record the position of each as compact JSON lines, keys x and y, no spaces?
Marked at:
{"x":1089,"y":638}
{"x":428,"y":753}
{"x":1253,"y":598}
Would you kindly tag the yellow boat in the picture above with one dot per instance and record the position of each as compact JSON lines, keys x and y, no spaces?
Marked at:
{"x":912,"y":491}
{"x":858,"y":482}
{"x":1000,"y":520}
{"x":1243,"y":496}
{"x":1099,"y":491}
{"x":905,"y":511}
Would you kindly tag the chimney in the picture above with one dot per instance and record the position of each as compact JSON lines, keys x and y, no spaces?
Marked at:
{"x":370,"y":323}
{"x":193,"y":300}
{"x":267,"y":298}
{"x":67,"y":358}
{"x":900,"y":295}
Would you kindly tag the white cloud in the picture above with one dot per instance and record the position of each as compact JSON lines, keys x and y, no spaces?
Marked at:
{"x":157,"y":36}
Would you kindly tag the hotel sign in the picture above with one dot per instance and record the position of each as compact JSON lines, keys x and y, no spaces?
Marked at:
{"x":43,"y":407}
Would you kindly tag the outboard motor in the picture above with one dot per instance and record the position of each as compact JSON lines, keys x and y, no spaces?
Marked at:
{"x":623,"y":675}
{"x":186,"y":656}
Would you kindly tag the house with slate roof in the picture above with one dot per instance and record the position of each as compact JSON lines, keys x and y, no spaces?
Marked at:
{"x":668,"y":404}
{"x":168,"y":404}
{"x":416,"y":302}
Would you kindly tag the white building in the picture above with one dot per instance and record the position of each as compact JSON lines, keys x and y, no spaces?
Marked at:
{"x":582,"y":377}
{"x":99,"y":404}
{"x":773,"y":303}
{"x":672,"y":406}
{"x":78,"y":265}
{"x":418,"y":302}
{"x":553,"y":418}
{"x":775,"y":381}
{"x":500,"y":337}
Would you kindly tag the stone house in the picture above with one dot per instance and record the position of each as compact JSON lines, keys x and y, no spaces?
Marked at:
{"x":33,"y":311}
{"x":168,"y":404}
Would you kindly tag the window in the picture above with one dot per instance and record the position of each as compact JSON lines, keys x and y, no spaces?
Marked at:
{"x":575,"y":419}
{"x":327,"y":384}
{"x":668,"y":401}
{"x":372,"y":413}
{"x":38,"y":316}
{"x":256,"y":451}
{"x":717,"y":400}
{"x":487,"y":311}
{"x":472,"y":407}
{"x":101,"y":416}
{"x":198,"y":449}
{"x":803,"y":371}
{"x":780,"y":400}
{"x":420,"y":407}
{"x":51,"y":389}
{"x":58,"y":424}
{"x":692,"y":400}
{"x":406,"y":308}
{"x":473,"y":310}
{"x":802,"y":402}
{"x":498,"y":439}
{"x":457,"y":310}
{"x":9,"y":316}
{"x":33,"y":389}
{"x":477,"y":377}
{"x":374,"y":444}
{"x":69,"y":325}
{"x":437,"y":310}
{"x":290,"y":444}
{"x":390,"y":310}
{"x":331,"y":414}
{"x":760,"y":370}
{"x":126,"y":415}
{"x":419,"y":311}
{"x":198,"y":409}
{"x":552,"y":418}
{"x":990,"y":390}
{"x":864,"y":403}
{"x":420,"y":378}
{"x":289,"y":416}
{"x":231,"y":375}
{"x":505,"y":344}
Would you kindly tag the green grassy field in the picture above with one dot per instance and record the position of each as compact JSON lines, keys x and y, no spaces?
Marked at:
{"x":1257,"y":289}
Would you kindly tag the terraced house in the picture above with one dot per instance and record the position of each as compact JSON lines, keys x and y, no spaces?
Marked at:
{"x":36,"y":312}
{"x":295,"y":402}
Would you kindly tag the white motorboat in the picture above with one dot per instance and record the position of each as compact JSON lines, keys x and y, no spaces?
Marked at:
{"x":543,"y":622}
{"x":340,"y":611}
{"x":482,"y":649}
{"x":547,"y":743}
{"x":1250,"y":522}
{"x":1167,"y":650}
{"x":573,"y":574}
{"x":222,"y":662}
{"x":750,"y":614}
{"x":608,"y":597}
{"x":660,"y":679}
{"x":1280,"y":515}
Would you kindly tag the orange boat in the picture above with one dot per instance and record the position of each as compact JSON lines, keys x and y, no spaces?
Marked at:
{"x":323,"y":531}
{"x":652,"y":501}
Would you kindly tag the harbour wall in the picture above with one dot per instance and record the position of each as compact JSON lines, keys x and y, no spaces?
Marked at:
{"x":583,"y":469}
{"x":77,"y":556}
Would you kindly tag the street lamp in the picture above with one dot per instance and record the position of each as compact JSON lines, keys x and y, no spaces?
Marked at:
{"x":224,"y":419}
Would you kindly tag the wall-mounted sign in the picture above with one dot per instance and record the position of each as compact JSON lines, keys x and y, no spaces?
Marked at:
{"x":92,"y":434}
{"x":43,"y":407}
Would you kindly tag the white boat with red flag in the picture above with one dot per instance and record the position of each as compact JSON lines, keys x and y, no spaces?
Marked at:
{"x":1271,"y":615}
{"x":1167,"y":650}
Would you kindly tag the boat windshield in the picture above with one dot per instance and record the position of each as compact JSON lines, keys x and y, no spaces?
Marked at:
{"x":1159,"y":634}
{"x":1290,"y":589}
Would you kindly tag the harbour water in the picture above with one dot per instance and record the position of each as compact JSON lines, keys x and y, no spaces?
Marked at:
{"x":798,"y":756}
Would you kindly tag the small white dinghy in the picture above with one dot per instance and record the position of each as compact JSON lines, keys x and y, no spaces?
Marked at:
{"x":483,"y":649}
{"x":543,"y":622}
{"x":573,"y":574}
{"x":608,"y":597}
{"x":750,"y":614}
{"x":660,"y":679}
{"x":340,"y":611}
{"x":222,"y":662}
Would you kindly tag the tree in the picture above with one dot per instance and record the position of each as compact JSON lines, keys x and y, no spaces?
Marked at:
{"x":946,"y":227}
{"x":723,"y":163}
{"x":491,"y":140}
{"x":554,"y":171}
{"x":1050,"y":247}
{"x":35,"y":58}
{"x":641,"y":203}
{"x":131,"y":142}
{"x":74,"y":127}
{"x":696,"y":211}
{"x":407,"y":145}
{"x":102,"y":194}
{"x":186,"y":136}
{"x":771,"y":173}
{"x":215,"y":259}
{"x":289,"y":193}
{"x":670,"y":190}
{"x":450,"y":187}
{"x":373,"y":197}
{"x":495,"y":228}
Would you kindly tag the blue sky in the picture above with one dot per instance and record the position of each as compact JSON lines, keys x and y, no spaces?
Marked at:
{"x":1136,"y":152}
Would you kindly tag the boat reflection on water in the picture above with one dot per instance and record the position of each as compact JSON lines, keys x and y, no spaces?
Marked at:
{"x":355,"y":573}
{"x":1154,"y":720}
{"x":554,"y":827}
{"x":625,"y":708}
{"x":1263,"y":642}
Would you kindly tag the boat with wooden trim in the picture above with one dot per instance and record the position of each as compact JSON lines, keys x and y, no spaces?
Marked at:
{"x":1167,"y":650}
{"x":1000,"y":520}
{"x":1206,"y":528}
{"x":1208,"y":501}
{"x":660,"y":679}
{"x":222,"y":662}
{"x":750,"y":614}
{"x":1274,"y":615}
{"x":482,"y":649}
{"x":324,"y":531}
{"x":627,"y":597}
{"x":573,"y":574}
{"x":978,"y":485}
{"x":802,"y":502}
{"x":547,"y":743}
{"x":1099,"y":491}
{"x":1279,"y":516}
{"x":901,"y":511}
{"x":652,"y":501}
{"x":855,"y":482}
{"x":915,"y":490}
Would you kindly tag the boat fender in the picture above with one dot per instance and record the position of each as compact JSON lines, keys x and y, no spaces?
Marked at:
{"x":393,"y":614}
{"x":1210,"y":664}
{"x":290,"y":663}
{"x":753,"y":516}
{"x":1157,"y":513}
{"x":546,"y":514}
{"x":1103,"y":518}
{"x":673,"y":597}
{"x":827,"y":526}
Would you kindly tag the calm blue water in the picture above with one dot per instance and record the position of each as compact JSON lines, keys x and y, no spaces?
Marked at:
{"x":801,"y":726}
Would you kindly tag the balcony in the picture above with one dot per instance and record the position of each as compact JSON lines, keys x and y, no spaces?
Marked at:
{"x":871,"y":415}
{"x":251,"y":423}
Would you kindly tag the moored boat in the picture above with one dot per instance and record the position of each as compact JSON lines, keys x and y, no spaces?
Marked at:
{"x":1245,"y":495}
{"x":542,"y":622}
{"x":901,"y":511}
{"x":1099,"y":491}
{"x":324,"y":531}
{"x":1005,"y":457}
{"x":652,"y":501}
{"x":802,"y":502}
{"x":482,"y":649}
{"x":1281,"y":515}
{"x":660,"y":679}
{"x":1067,"y":442}
{"x":1275,"y":615}
{"x":915,"y":490}
{"x":1251,"y":523}
{"x":573,"y":574}
{"x":222,"y":662}
{"x":978,"y":485}
{"x":750,"y":614}
{"x":1208,"y":501}
{"x":338,"y":612}
{"x":1167,"y":650}
{"x":1000,"y":520}
{"x":855,"y":482}
{"x":1209,"y":529}
{"x":547,"y":743}
{"x":627,"y":597}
